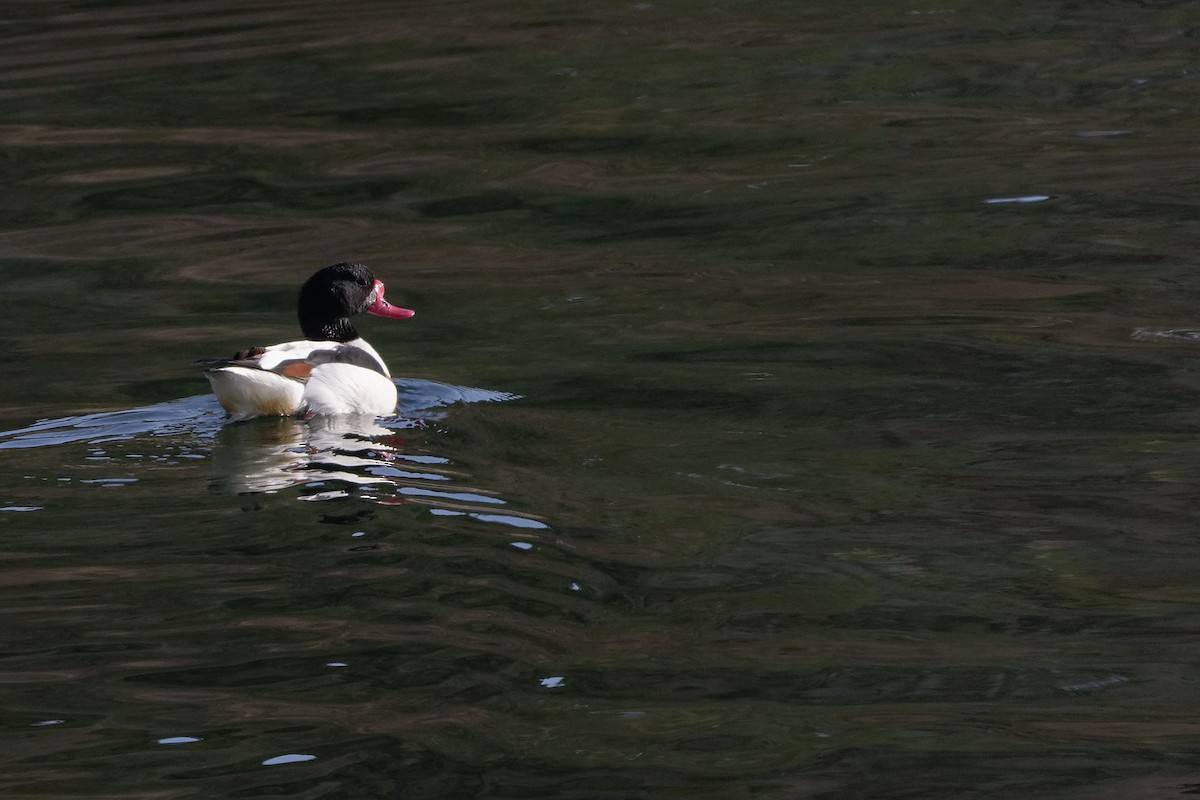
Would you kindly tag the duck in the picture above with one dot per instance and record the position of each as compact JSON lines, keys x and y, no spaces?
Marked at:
{"x":331,"y":372}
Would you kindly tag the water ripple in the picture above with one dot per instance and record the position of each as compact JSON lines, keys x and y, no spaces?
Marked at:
{"x":201,"y":416}
{"x":325,"y":459}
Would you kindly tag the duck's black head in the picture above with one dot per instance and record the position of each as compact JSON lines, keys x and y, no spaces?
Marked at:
{"x":331,"y":296}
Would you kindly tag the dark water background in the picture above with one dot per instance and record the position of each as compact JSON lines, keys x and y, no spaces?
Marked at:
{"x":856,"y":450}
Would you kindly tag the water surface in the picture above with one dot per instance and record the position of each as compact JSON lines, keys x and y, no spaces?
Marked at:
{"x":835,"y":435}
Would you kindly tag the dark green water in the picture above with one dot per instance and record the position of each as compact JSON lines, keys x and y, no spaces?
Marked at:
{"x":855,"y":449}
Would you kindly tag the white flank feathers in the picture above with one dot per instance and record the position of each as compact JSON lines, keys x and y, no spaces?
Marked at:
{"x":347,"y":389}
{"x":246,"y":392}
{"x":332,"y":387}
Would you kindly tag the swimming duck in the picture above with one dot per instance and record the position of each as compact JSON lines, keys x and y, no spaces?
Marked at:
{"x":332,"y":371}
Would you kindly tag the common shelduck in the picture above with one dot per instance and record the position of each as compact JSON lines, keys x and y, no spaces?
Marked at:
{"x":333,"y":371}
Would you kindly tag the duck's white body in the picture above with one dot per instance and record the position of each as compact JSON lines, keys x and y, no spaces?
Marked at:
{"x":304,"y":378}
{"x":333,"y":372}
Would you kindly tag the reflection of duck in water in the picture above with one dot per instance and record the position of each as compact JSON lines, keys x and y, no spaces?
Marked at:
{"x":340,"y":458}
{"x":333,"y":371}
{"x":273,"y":454}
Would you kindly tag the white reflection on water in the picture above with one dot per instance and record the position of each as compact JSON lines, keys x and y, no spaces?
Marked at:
{"x":110,"y":481}
{"x":1026,"y":198}
{"x":290,"y":758}
{"x":1165,"y":335}
{"x":269,"y":455}
{"x":1096,"y":685}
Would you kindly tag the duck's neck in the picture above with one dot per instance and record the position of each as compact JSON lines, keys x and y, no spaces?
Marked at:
{"x":329,"y":330}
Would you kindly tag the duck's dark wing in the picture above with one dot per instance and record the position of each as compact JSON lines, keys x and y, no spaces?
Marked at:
{"x":296,"y":359}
